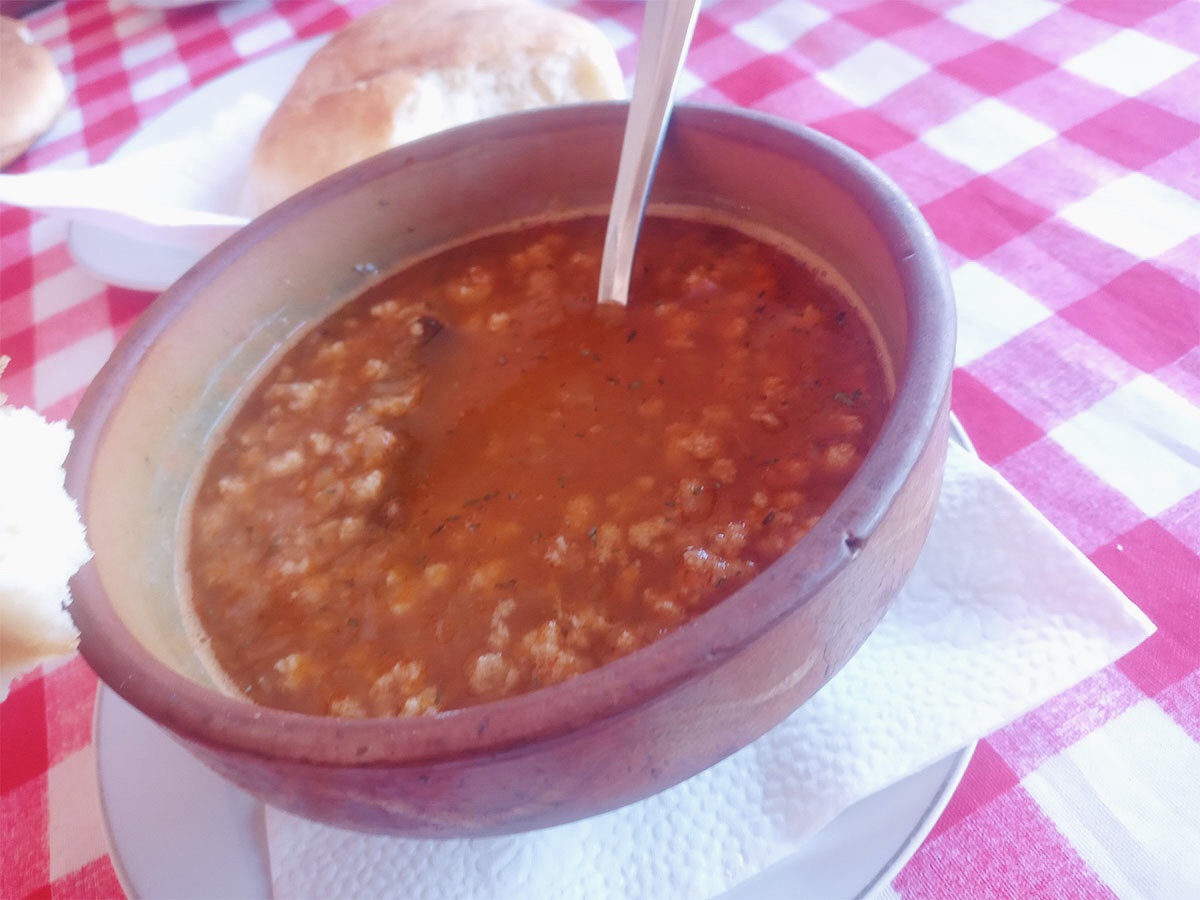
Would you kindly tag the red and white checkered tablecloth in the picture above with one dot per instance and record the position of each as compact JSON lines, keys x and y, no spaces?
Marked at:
{"x":1055,"y":149}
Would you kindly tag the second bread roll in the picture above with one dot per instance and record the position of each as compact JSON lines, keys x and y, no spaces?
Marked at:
{"x":32,"y":91}
{"x":417,"y":66}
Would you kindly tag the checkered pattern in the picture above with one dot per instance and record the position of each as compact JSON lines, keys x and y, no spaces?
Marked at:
{"x":1055,"y":149}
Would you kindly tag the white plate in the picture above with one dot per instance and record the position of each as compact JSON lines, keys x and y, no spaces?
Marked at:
{"x":143,"y":265}
{"x":176,"y":829}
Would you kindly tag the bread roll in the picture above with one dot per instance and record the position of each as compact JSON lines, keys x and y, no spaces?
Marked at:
{"x":32,"y":92}
{"x":41,"y":542}
{"x":418,"y":66}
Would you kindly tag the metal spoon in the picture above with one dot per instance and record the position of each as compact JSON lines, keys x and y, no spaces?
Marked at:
{"x":666,"y":33}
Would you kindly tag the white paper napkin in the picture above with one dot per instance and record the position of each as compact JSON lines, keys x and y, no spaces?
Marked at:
{"x":1000,"y":614}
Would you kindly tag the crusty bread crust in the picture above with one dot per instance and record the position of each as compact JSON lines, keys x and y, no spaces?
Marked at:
{"x":417,"y":66}
{"x":32,"y":92}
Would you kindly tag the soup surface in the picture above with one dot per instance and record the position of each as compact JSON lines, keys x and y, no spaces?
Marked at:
{"x":472,"y":481}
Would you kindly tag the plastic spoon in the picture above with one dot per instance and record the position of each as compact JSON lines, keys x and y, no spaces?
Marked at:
{"x":666,"y":33}
{"x":112,"y":197}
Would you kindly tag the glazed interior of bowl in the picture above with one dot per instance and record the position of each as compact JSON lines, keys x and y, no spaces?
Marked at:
{"x":142,"y":429}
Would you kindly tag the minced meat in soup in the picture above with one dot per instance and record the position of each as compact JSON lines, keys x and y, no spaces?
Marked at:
{"x":472,"y":481}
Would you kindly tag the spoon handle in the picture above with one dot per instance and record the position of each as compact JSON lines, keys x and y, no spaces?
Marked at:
{"x":666,"y":33}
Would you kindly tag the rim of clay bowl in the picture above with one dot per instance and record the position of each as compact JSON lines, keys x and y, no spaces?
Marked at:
{"x":209,"y":717}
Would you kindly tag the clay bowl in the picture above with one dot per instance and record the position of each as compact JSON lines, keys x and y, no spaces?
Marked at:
{"x":604,"y":739}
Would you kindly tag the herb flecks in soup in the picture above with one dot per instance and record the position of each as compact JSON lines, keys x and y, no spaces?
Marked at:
{"x":472,"y":482}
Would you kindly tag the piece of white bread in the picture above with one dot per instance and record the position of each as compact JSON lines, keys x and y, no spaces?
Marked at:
{"x":32,"y":92}
{"x":414,"y":67}
{"x":42,"y":543}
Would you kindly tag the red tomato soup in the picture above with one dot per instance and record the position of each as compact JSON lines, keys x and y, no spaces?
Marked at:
{"x":472,"y":481}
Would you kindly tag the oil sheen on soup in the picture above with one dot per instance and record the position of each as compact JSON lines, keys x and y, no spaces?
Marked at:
{"x":472,"y":481}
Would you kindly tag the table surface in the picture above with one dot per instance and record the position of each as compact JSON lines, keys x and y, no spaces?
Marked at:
{"x":1054,"y":148}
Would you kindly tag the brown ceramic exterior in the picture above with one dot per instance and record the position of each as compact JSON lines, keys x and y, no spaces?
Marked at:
{"x":609,"y":737}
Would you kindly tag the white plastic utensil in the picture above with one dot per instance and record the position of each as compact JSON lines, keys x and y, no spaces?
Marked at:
{"x":102,"y":196}
{"x":666,"y":33}
{"x":184,"y":191}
